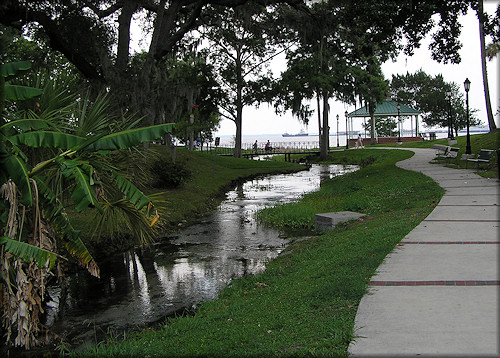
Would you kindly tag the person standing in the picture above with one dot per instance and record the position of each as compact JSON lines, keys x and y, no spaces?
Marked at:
{"x":359,"y":142}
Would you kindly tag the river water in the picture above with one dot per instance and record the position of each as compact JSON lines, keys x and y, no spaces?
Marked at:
{"x":142,"y":287}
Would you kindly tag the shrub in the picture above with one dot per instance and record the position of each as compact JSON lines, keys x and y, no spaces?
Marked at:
{"x":168,"y":174}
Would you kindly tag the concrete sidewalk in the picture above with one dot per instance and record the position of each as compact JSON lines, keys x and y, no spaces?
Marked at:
{"x":437,"y":293}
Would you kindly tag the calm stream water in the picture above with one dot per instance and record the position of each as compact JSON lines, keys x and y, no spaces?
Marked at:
{"x":141,"y":287}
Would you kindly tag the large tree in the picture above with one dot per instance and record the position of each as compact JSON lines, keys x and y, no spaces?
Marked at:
{"x":428,"y":94}
{"x":483,"y":21}
{"x":344,"y":42}
{"x":95,"y":36}
{"x":316,"y":68}
{"x":240,"y":51}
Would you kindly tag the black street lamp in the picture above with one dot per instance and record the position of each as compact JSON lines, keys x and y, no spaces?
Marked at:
{"x":450,"y":121}
{"x":467,"y":88}
{"x":338,"y":131}
{"x":399,"y":124}
{"x":346,"y":132}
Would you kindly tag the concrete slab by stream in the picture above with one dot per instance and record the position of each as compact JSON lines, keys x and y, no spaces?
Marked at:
{"x":328,"y":221}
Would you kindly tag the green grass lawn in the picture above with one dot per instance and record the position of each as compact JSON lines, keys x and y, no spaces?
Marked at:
{"x":490,"y":140}
{"x":305,"y":302}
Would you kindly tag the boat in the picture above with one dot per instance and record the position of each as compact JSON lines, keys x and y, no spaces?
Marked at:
{"x":300,"y":134}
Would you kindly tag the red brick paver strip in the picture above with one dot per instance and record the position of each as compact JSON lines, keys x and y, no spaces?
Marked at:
{"x":448,"y":243}
{"x":436,"y":283}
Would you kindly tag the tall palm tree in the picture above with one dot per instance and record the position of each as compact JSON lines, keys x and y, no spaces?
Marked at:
{"x":489,"y":112}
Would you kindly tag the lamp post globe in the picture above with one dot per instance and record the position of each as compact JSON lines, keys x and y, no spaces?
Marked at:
{"x":467,"y":88}
{"x":346,"y":132}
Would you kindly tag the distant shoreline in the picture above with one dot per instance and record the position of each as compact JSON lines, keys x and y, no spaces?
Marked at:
{"x":249,"y":139}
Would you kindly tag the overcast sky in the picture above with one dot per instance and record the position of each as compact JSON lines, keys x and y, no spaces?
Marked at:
{"x":264,"y":121}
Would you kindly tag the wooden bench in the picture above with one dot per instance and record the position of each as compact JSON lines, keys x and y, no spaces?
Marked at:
{"x":441,"y":149}
{"x":452,"y":153}
{"x":484,"y":157}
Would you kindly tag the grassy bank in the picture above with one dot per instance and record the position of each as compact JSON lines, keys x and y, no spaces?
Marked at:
{"x":490,"y":140}
{"x":480,"y":141}
{"x":209,"y":179}
{"x":305,"y":302}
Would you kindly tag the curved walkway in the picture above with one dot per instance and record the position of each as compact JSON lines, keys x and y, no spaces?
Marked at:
{"x":437,"y":293}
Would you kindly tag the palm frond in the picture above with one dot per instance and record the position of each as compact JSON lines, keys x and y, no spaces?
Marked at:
{"x":123,"y":218}
{"x":94,"y":116}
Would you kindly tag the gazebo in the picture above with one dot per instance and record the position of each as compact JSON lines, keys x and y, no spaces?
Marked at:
{"x":386,"y":109}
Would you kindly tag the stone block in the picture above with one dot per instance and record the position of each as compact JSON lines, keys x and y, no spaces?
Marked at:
{"x":328,"y":221}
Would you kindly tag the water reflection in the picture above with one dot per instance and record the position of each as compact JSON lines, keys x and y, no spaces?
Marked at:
{"x":143,"y":286}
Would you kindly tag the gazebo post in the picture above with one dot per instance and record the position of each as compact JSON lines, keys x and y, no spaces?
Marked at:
{"x":416,"y":125}
{"x":373,"y":141}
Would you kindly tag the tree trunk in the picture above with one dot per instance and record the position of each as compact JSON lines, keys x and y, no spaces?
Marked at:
{"x":319,"y":118}
{"x":124,"y":34}
{"x":371,"y":110}
{"x":239,"y":104}
{"x":489,"y":112}
{"x":326,"y":129}
{"x":238,"y":122}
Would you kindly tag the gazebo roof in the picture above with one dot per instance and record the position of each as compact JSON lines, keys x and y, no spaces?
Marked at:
{"x":387,"y":108}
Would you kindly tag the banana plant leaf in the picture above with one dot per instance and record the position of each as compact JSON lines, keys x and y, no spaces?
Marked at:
{"x":12,"y":69}
{"x":16,"y":92}
{"x":77,"y":249}
{"x":47,"y":139}
{"x":131,"y":137}
{"x":54,"y":212}
{"x":28,"y":252}
{"x":18,"y":171}
{"x":51,"y":204}
{"x":134,"y":195}
{"x":83,"y":192}
{"x":26,"y":125}
{"x":88,"y":141}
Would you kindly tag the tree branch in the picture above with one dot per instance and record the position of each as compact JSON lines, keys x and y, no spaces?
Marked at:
{"x":12,"y":12}
{"x":106,"y":12}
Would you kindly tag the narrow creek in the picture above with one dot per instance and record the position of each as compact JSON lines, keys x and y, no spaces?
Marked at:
{"x":141,"y":287}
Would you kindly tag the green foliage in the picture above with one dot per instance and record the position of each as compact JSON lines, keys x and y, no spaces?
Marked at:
{"x":385,"y":126}
{"x":28,"y":252}
{"x":488,"y":140}
{"x":24,"y":192}
{"x":168,"y":174}
{"x":428,"y":94}
{"x":305,"y":302}
{"x":348,"y":192}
